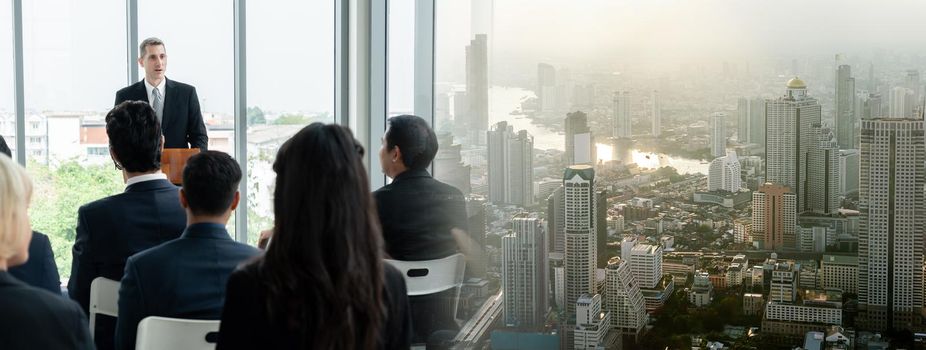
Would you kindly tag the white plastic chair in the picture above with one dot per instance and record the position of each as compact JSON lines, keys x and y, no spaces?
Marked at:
{"x":157,"y":333}
{"x":104,"y":300}
{"x":433,"y":276}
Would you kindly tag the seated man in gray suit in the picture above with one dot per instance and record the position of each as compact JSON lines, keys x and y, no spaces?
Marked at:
{"x":186,"y":277}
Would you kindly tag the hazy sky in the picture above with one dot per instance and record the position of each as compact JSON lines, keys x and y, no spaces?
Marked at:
{"x":75,"y":54}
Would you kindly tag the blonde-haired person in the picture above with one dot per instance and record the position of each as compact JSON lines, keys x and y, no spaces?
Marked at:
{"x":32,"y":318}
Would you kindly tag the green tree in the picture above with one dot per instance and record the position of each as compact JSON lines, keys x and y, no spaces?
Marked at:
{"x":292,"y":119}
{"x":58,"y":193}
{"x":256,"y":116}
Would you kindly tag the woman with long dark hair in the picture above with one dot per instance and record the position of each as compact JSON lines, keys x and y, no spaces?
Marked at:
{"x":322,"y":283}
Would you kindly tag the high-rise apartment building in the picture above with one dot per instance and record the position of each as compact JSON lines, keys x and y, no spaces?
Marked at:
{"x":580,"y":142}
{"x":591,"y":323}
{"x":621,"y":125}
{"x":477,"y":85}
{"x":774,"y":216}
{"x":893,"y":212}
{"x":656,"y":113}
{"x":646,"y":265}
{"x":724,"y":174}
{"x":511,"y":165}
{"x":790,"y":137}
{"x":822,"y":191}
{"x":524,"y":271}
{"x":624,"y":299}
{"x":580,"y":228}
{"x":546,"y":87}
{"x":846,"y":116}
{"x":718,"y":134}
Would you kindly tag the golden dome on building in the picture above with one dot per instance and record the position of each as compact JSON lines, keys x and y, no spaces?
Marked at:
{"x":796,"y":83}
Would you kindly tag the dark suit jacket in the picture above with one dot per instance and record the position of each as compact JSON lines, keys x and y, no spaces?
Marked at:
{"x":417,"y":213}
{"x":40,"y":271}
{"x":246,"y":325}
{"x":183,"y":278}
{"x":112,"y":229}
{"x":35,"y":319}
{"x":183,"y":121}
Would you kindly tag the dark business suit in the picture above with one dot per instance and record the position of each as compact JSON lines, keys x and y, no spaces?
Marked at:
{"x":112,"y":229}
{"x":417,"y":213}
{"x":247,"y":325}
{"x":182,"y":122}
{"x":40,"y":271}
{"x":183,"y":278}
{"x":32,"y":318}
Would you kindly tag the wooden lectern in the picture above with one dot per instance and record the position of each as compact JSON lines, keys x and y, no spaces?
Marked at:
{"x":173,"y":160}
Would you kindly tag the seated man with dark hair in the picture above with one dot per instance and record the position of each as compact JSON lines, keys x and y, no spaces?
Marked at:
{"x":186,"y":277}
{"x":114,"y":228}
{"x":40,"y":270}
{"x":421,"y":216}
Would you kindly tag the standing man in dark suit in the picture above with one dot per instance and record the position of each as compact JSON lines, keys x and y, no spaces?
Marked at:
{"x":186,"y":277}
{"x":175,"y":103}
{"x":114,"y":228}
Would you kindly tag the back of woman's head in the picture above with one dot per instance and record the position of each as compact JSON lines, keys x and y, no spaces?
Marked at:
{"x":325,"y":263}
{"x":15,"y":192}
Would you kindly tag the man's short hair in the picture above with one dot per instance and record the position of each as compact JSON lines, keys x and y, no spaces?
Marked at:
{"x":135,"y":136}
{"x":210,"y":180}
{"x":152,"y":41}
{"x":415,"y":138}
{"x":4,"y":148}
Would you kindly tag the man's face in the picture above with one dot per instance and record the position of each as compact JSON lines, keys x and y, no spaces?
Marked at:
{"x":155,"y":63}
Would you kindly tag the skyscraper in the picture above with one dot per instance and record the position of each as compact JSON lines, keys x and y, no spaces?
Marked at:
{"x":724,"y":174}
{"x":790,"y":120}
{"x":621,"y":119}
{"x":822,"y":195}
{"x":646,"y":265}
{"x":743,"y":122}
{"x":901,"y":103}
{"x":510,"y":165}
{"x":524,"y":271}
{"x":893,"y":211}
{"x":718,"y":134}
{"x":546,"y":87}
{"x":477,"y":85}
{"x":774,"y":216}
{"x":656,"y":113}
{"x":845,"y":107}
{"x":580,"y":226}
{"x":556,"y":219}
{"x":624,"y":299}
{"x":580,"y":143}
{"x":912,"y":82}
{"x":848,"y":170}
{"x":757,"y":121}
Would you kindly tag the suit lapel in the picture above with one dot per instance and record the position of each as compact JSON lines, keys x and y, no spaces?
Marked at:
{"x":170,"y":98}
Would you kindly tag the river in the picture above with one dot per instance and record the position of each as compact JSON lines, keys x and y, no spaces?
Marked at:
{"x":504,"y":100}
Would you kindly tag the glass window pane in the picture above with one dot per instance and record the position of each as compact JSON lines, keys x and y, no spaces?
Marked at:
{"x":290,"y":85}
{"x":73,"y":67}
{"x":401,"y":58}
{"x":7,"y":112}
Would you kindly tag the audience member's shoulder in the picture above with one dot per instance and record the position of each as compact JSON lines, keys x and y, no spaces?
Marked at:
{"x":99,"y":204}
{"x":447,"y":189}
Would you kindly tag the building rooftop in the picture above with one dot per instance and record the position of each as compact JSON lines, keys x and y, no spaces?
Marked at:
{"x":840,"y":259}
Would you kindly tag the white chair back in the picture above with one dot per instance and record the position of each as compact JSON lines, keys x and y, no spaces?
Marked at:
{"x":104,"y":300}
{"x":433,"y":276}
{"x":157,"y":333}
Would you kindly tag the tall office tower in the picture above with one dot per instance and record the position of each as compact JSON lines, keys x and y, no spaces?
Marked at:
{"x":901,"y":103}
{"x":757,"y":121}
{"x":774,"y":216}
{"x":657,"y":114}
{"x":912,"y":82}
{"x":580,"y":143}
{"x":581,"y":254}
{"x":448,"y":164}
{"x":621,"y":110}
{"x":524,"y":271}
{"x":872,"y":84}
{"x":556,"y":219}
{"x":646,"y":265}
{"x":724,"y":174}
{"x":845,"y":107}
{"x":871,"y":108}
{"x":559,"y":280}
{"x":624,"y":299}
{"x":743,"y":130}
{"x":790,"y":121}
{"x":893,"y":210}
{"x":546,"y":87}
{"x":718,"y":134}
{"x":511,"y":164}
{"x":601,"y":233}
{"x":822,"y":195}
{"x":848,"y":170}
{"x":591,"y":323}
{"x":477,"y":85}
